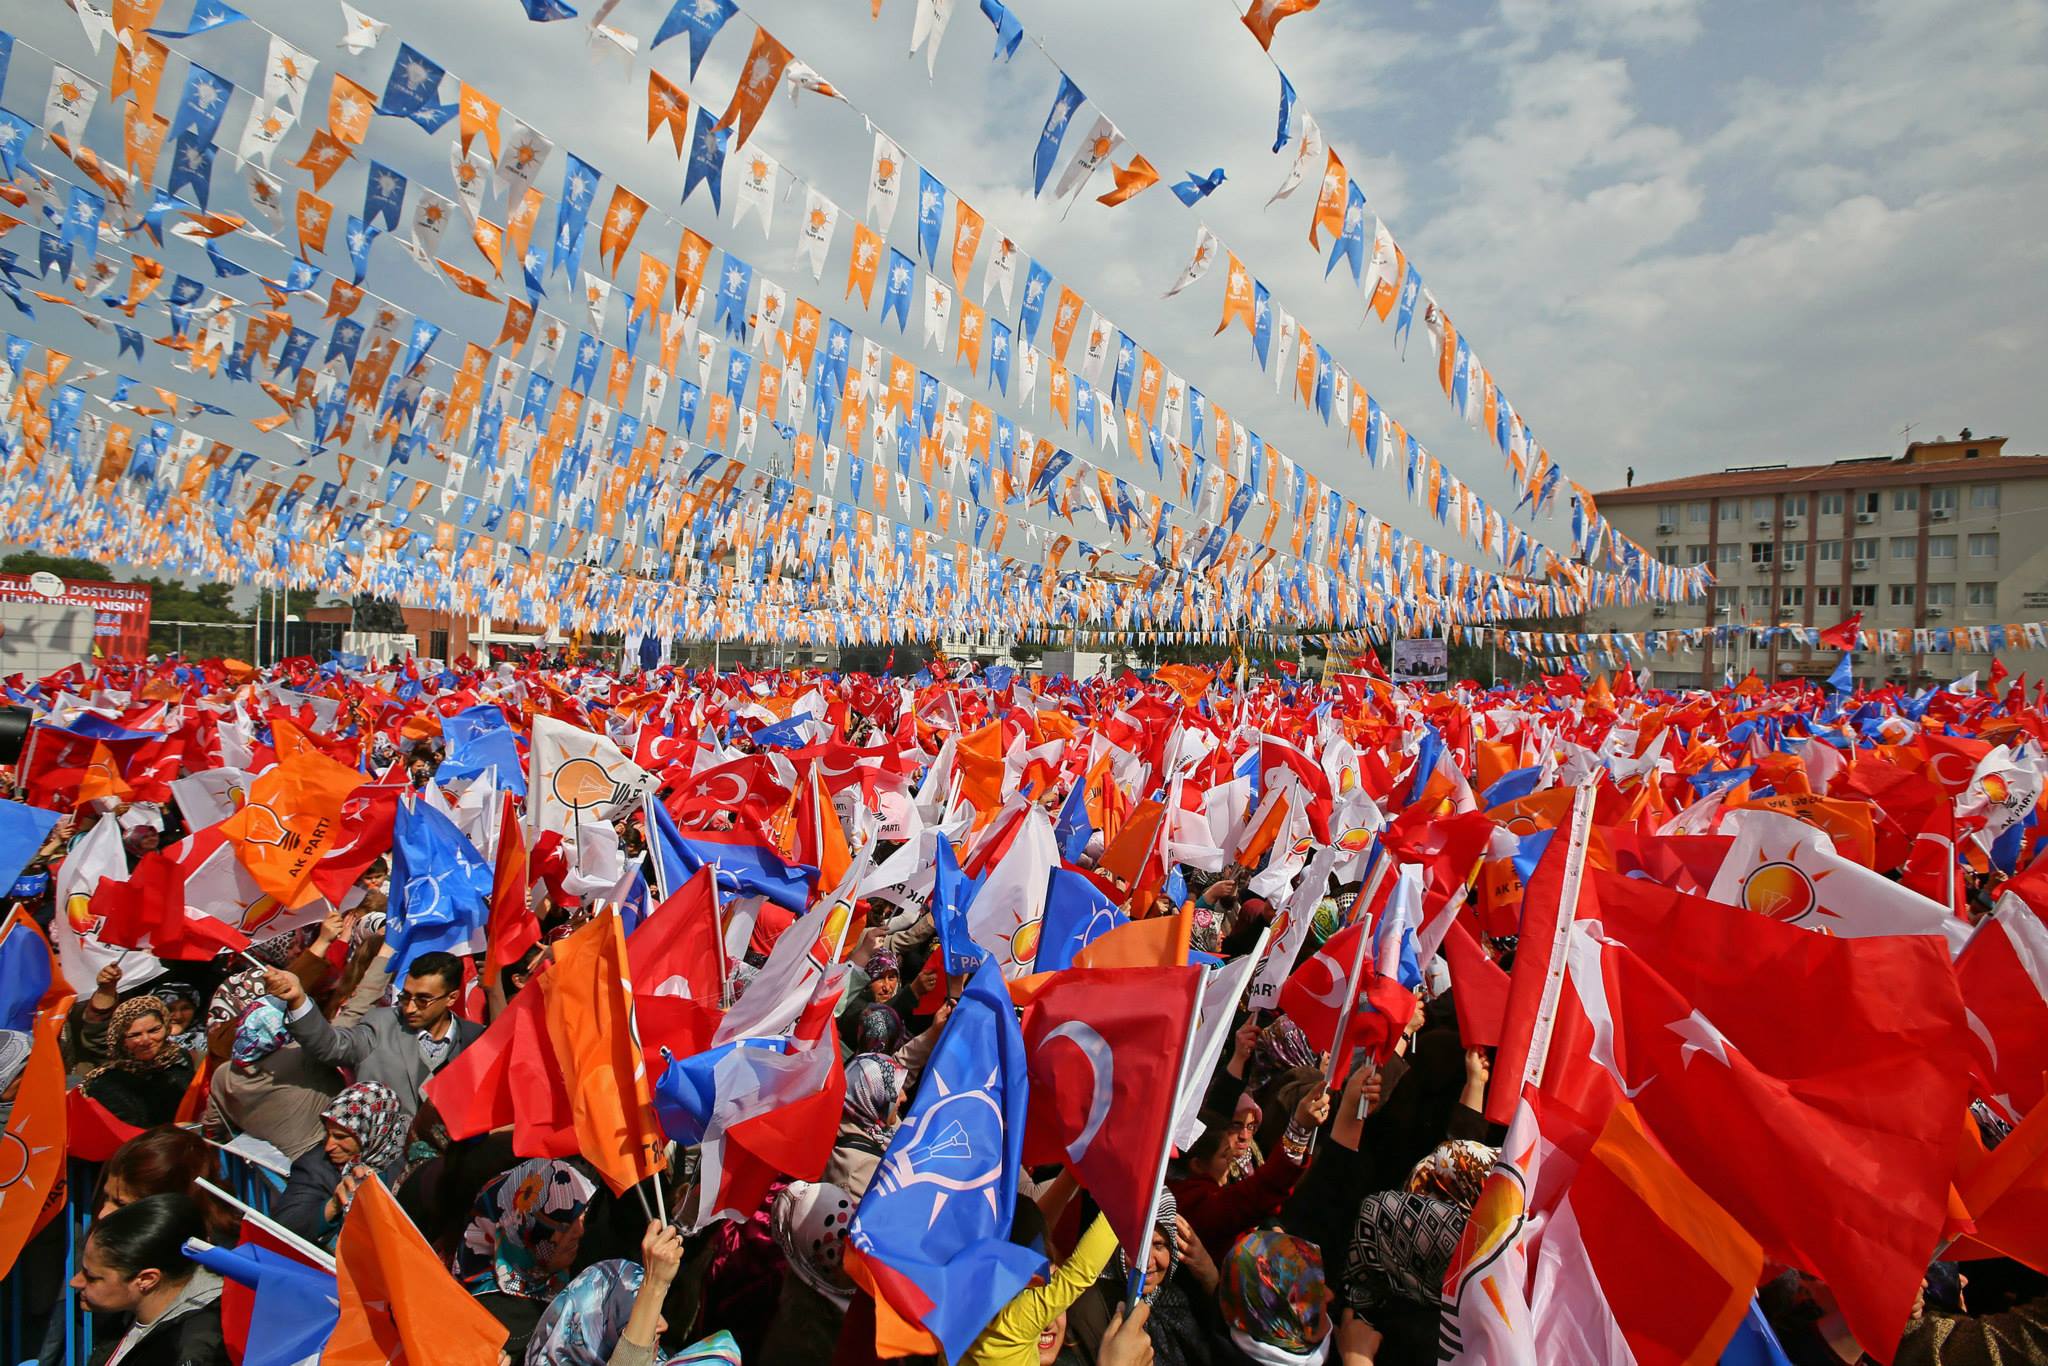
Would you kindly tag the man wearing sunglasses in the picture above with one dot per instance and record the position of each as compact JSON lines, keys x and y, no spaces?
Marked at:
{"x":402,"y":1044}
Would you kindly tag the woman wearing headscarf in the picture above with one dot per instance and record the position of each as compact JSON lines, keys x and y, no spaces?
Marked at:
{"x":1394,"y":1276}
{"x":522,"y":1239}
{"x":808,"y":1220}
{"x":146,"y":1074}
{"x":1036,"y":1319}
{"x":269,"y":1086}
{"x":1221,"y":1194}
{"x":1274,"y":1302}
{"x":1180,"y":1288}
{"x":610,"y":1315}
{"x":1454,"y":1172}
{"x":875,"y":1092}
{"x":364,"y":1133}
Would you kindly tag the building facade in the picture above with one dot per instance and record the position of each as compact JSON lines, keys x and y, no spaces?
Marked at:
{"x":1946,"y":539}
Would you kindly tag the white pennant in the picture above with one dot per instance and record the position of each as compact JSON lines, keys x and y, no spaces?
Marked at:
{"x":814,"y":234}
{"x":885,"y":183}
{"x":756,"y":190}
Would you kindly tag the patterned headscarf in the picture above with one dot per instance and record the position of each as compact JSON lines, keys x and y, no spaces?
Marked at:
{"x":371,"y":1111}
{"x":878,"y":1030}
{"x":233,"y":997}
{"x":872,"y":1085}
{"x":1400,"y":1250}
{"x":1454,"y":1172}
{"x":513,"y":1228}
{"x":1166,"y":1223}
{"x":809,"y":1222}
{"x":1281,"y":1047}
{"x":1273,"y":1291}
{"x":881,"y":961}
{"x":261,"y":1032}
{"x":127,"y":1013}
{"x":586,"y":1321}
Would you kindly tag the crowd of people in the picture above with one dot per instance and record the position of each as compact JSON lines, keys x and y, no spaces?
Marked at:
{"x":1314,"y":1213}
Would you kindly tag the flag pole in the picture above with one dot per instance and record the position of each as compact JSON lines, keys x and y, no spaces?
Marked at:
{"x":1567,"y":912}
{"x":1364,"y":906}
{"x":270,"y":1226}
{"x":1136,"y":1283}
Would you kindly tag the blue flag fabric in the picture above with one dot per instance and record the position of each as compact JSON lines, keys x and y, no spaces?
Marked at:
{"x":743,"y":867}
{"x":1286,"y":112}
{"x":414,"y":90}
{"x":897,"y":287}
{"x":1842,"y":680}
{"x":440,"y":888}
{"x":1064,"y":104}
{"x":1754,"y":1344}
{"x":1195,"y":189}
{"x":24,"y":970}
{"x":203,"y":104}
{"x":707,"y":158}
{"x":701,"y":19}
{"x":23,"y":829}
{"x":931,"y":214}
{"x":952,"y":893}
{"x":687,"y":1090}
{"x":1076,"y":915}
{"x":296,"y":1305}
{"x":934,"y":1226}
{"x":207,"y":15}
{"x":1037,"y":284}
{"x":476,"y":747}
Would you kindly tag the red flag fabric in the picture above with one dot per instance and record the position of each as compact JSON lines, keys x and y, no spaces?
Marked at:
{"x":95,"y":1133}
{"x":2003,"y":975}
{"x":1125,"y":1030}
{"x":678,"y":951}
{"x":1842,"y":635}
{"x":513,"y":929}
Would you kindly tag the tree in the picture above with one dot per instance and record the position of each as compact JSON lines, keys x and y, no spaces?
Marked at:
{"x":377,"y":615}
{"x":172,"y":602}
{"x":33,"y":562}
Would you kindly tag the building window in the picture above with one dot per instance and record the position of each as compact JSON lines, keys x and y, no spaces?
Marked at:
{"x":1831,"y":505}
{"x":1902,"y":595}
{"x":1984,"y":498}
{"x":1728,"y":552}
{"x":1941,"y":595}
{"x":1792,"y":599}
{"x":1668,"y":554}
{"x":1983,"y":545}
{"x":1760,"y":508}
{"x":1761,"y":552}
{"x":1865,"y":548}
{"x":1941,"y":547}
{"x":1984,"y":597}
{"x":1863,"y":595}
{"x":1795,"y":552}
{"x":1942,"y":499}
{"x":1667,"y":514}
{"x":1696,"y":513}
{"x":1905,"y":547}
{"x":1731,"y":509}
{"x":1830,"y":552}
{"x":1724,"y":600}
{"x":1695,"y":554}
{"x":1866,"y":502}
{"x":1795,"y":505}
{"x":1759,"y":595}
{"x":1905,"y":500}
{"x":437,"y":645}
{"x":1828,"y":595}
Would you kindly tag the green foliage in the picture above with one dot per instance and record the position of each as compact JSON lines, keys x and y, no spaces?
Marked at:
{"x":174,"y":601}
{"x":375,"y":614}
{"x":32,"y":562}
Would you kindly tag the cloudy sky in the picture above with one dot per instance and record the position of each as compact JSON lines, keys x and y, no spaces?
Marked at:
{"x":1681,"y":236}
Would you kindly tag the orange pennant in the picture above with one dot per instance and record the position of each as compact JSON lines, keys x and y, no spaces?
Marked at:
{"x":324,"y":155}
{"x":667,"y":106}
{"x":1131,"y":180}
{"x":518,"y":320}
{"x":1237,"y":297}
{"x":621,"y":221}
{"x":1066,"y":316}
{"x":479,"y":115}
{"x":1265,"y":15}
{"x":349,"y":107}
{"x":1330,"y":199}
{"x":861,"y":265}
{"x":966,"y":240}
{"x":758,"y":78}
{"x":312,"y":214}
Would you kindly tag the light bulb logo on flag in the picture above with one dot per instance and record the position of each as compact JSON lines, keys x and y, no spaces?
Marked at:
{"x":1782,"y":892}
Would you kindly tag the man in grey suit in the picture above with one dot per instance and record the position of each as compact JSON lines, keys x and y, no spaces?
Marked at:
{"x":400,"y":1045}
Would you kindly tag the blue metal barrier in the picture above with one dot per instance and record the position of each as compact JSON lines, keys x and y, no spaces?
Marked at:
{"x":39,"y":1321}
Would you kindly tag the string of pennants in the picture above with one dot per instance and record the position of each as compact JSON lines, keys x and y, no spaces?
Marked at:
{"x":1409,"y":585}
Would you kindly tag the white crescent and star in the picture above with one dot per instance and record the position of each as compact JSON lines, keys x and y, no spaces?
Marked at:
{"x":1102,"y":1080}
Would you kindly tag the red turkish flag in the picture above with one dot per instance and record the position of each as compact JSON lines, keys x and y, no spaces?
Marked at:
{"x":1124,"y":1031}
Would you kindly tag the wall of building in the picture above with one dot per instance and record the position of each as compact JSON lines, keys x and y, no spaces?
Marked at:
{"x":1923,"y":542}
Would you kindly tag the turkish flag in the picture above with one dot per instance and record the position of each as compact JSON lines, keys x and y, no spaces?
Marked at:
{"x":1124,"y":1030}
{"x":1842,"y":635}
{"x":2006,"y":997}
{"x":747,"y":787}
{"x":677,"y":950}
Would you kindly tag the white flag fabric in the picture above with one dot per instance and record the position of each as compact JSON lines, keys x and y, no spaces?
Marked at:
{"x":1788,"y":870}
{"x":578,"y":776}
{"x":885,"y":183}
{"x":80,"y":954}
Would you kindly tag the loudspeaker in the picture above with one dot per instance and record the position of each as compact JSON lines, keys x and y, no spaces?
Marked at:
{"x":14,"y":723}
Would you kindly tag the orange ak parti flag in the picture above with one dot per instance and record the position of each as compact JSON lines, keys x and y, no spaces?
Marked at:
{"x":289,"y":822}
{"x":398,"y":1300}
{"x":587,"y":1000}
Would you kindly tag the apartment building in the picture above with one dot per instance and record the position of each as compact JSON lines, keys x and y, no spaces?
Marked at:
{"x":1939,"y":543}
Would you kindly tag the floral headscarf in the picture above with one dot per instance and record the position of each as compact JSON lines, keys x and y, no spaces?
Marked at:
{"x":586,"y":1321}
{"x":127,"y":1013}
{"x":371,"y":1111}
{"x":193,"y":1036}
{"x":1454,"y":1172}
{"x":809,"y":1222}
{"x":512,"y":1230}
{"x":1281,"y":1047}
{"x":878,"y":1029}
{"x":873,"y":1083}
{"x":260,"y":1033}
{"x":233,"y":997}
{"x":881,"y":961}
{"x":1400,"y":1250}
{"x":1273,"y":1292}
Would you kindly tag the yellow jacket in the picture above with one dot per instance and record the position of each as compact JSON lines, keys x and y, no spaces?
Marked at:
{"x":1012,"y":1338}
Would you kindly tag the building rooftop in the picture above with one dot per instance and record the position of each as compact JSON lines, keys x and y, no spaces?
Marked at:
{"x":1967,"y":457}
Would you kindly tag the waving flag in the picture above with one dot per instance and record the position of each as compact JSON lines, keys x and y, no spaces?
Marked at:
{"x":1126,"y":1030}
{"x":398,"y":1300}
{"x":746,"y":864}
{"x":577,"y":776}
{"x":33,"y":1182}
{"x":588,"y":1002}
{"x":80,"y":953}
{"x":295,"y":1306}
{"x":440,"y":889}
{"x":290,"y":821}
{"x":513,"y":928}
{"x":930,"y":1240}
{"x":2003,"y":974}
{"x":1077,"y":913}
{"x":22,"y":832}
{"x":1788,"y":871}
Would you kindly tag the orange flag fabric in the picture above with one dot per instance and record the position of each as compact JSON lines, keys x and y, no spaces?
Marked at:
{"x":667,"y":106}
{"x":1237,"y":297}
{"x":1131,"y":180}
{"x":588,"y":1003}
{"x":621,"y":221}
{"x":35,"y":1131}
{"x":1265,"y":15}
{"x":398,"y":1300}
{"x":290,"y":821}
{"x":758,"y":79}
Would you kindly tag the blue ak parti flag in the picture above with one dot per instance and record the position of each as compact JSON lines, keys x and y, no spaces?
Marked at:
{"x":933,"y":1229}
{"x":952,"y":893}
{"x":296,"y":1305}
{"x":24,"y":971}
{"x":1076,"y":915}
{"x":440,"y":888}
{"x":745,"y":865}
{"x":23,"y":829}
